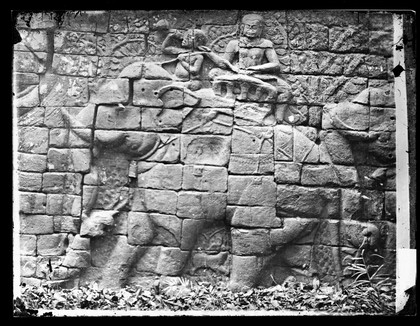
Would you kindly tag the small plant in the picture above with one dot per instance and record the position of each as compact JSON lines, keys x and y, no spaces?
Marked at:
{"x":177,"y":287}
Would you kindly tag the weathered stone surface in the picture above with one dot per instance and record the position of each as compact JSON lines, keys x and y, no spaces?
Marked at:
{"x":120,"y":223}
{"x":52,"y":244}
{"x":318,"y":90}
{"x":153,"y":119}
{"x":283,"y":143}
{"x":33,"y":140}
{"x":35,"y":40}
{"x":171,"y":261}
{"x":205,"y":149}
{"x":214,"y":237}
{"x":245,"y":271}
{"x":263,"y":217}
{"x":308,"y":36}
{"x":58,"y":182}
{"x":348,"y":39}
{"x":27,"y":245}
{"x":251,"y":164}
{"x":27,"y":62}
{"x":32,"y":203}
{"x":208,"y":121}
{"x":382,"y":150}
{"x":201,"y":205}
{"x":30,"y":181}
{"x":112,"y":91}
{"x":307,"y":202}
{"x":74,"y":42}
{"x":27,"y":266}
{"x":80,"y":243}
{"x":297,"y":256}
{"x":77,"y":259}
{"x":105,"y":197}
{"x":169,"y":153}
{"x":250,"y":242}
{"x":33,"y":117}
{"x":71,"y":160}
{"x":305,"y":145}
{"x":161,"y":201}
{"x":381,"y":42}
{"x":388,"y":234}
{"x":75,"y":65}
{"x":115,"y":117}
{"x":351,"y":204}
{"x":32,"y":162}
{"x":58,"y":204}
{"x":27,"y":99}
{"x":253,"y":114}
{"x":145,"y":92}
{"x":121,"y":45}
{"x":294,"y":230}
{"x":251,"y":190}
{"x":335,"y":148}
{"x":382,"y":119}
{"x":287,"y":172}
{"x":167,"y":230}
{"x":63,"y":91}
{"x":111,"y":252}
{"x":36,"y":224}
{"x":191,"y":228}
{"x":201,"y":262}
{"x":324,"y":175}
{"x":373,"y":204}
{"x":67,"y":224}
{"x":252,"y":140}
{"x":210,"y":100}
{"x":204,"y":178}
{"x":345,"y":115}
{"x":98,"y":223}
{"x":159,"y":175}
{"x":390,"y":206}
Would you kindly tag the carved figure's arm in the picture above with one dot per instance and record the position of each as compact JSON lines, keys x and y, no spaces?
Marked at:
{"x":167,"y":45}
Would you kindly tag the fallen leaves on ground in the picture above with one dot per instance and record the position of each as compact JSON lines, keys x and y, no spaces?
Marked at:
{"x":189,"y":295}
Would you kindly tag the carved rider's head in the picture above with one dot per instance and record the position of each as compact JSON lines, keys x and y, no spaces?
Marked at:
{"x":252,"y":25}
{"x":193,"y":38}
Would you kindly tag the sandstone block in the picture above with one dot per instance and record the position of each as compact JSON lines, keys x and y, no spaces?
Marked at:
{"x":32,"y":162}
{"x":112,"y":91}
{"x":283,"y":143}
{"x":351,"y":204}
{"x":145,"y":92}
{"x":75,"y":65}
{"x":60,"y":137}
{"x":171,"y":261}
{"x":253,"y":114}
{"x":120,"y":224}
{"x":381,"y":151}
{"x":315,"y":116}
{"x":58,"y":204}
{"x":202,"y":262}
{"x":74,"y":42}
{"x":159,"y":176}
{"x":161,"y":201}
{"x":58,"y":182}
{"x":345,"y":115}
{"x":307,"y":202}
{"x":205,"y":149}
{"x":153,"y":119}
{"x":348,"y":39}
{"x":33,"y":140}
{"x":325,"y":175}
{"x":382,"y":119}
{"x":335,"y":148}
{"x":30,"y":181}
{"x":77,"y":259}
{"x":27,"y":62}
{"x":27,"y":245}
{"x":27,"y":266}
{"x":204,"y":178}
{"x":80,"y":243}
{"x":294,"y":230}
{"x":250,"y":242}
{"x":201,"y":205}
{"x":36,"y":224}
{"x":263,"y":217}
{"x":373,"y":204}
{"x":332,"y":233}
{"x":98,"y":223}
{"x":149,"y":258}
{"x":33,"y":117}
{"x":67,"y":224}
{"x":251,"y":190}
{"x":190,"y":231}
{"x":52,"y":244}
{"x":305,"y":147}
{"x":380,"y":42}
{"x":245,"y":271}
{"x":69,"y":160}
{"x":251,"y":164}
{"x":167,"y":230}
{"x":287,"y":172}
{"x":105,"y":197}
{"x":169,"y":153}
{"x":32,"y":203}
{"x":214,"y":237}
{"x":63,"y":91}
{"x":28,"y":99}
{"x":210,"y":100}
{"x":311,"y":62}
{"x":252,"y":140}
{"x":208,"y":121}
{"x":112,"y":252}
{"x":115,"y":117}
{"x":390,"y":206}
{"x":297,"y":256}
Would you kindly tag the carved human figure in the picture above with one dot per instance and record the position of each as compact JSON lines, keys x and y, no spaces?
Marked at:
{"x":189,"y":60}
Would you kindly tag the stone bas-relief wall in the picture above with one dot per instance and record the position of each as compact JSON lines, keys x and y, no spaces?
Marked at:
{"x":187,"y":143}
